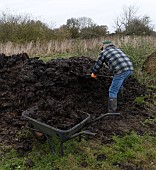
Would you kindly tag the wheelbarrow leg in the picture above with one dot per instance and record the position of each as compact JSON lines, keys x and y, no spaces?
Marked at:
{"x":80,"y":138}
{"x":62,"y":142}
{"x":61,"y":148}
{"x":50,"y":145}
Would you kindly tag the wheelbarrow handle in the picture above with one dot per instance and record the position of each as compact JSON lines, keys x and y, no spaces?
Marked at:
{"x":101,"y":116}
{"x":81,"y":133}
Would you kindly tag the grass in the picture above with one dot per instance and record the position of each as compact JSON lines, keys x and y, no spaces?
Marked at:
{"x":88,"y":155}
{"x":139,"y":100}
{"x":47,"y":58}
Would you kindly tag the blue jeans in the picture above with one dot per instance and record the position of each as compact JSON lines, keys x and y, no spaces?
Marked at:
{"x":117,"y":83}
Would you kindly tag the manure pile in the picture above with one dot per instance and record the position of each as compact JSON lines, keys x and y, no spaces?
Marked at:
{"x":59,"y":88}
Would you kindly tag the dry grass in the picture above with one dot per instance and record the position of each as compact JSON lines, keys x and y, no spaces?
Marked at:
{"x":69,"y":46}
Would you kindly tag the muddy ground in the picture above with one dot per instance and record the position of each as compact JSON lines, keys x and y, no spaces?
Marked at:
{"x":59,"y":88}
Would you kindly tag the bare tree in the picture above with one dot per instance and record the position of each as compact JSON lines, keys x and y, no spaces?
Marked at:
{"x":131,"y":24}
{"x":127,"y":15}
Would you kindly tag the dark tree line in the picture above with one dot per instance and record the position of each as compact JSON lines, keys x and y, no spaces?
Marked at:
{"x":16,"y":28}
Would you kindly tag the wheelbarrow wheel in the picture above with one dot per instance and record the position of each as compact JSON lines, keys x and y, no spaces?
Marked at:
{"x":39,"y":136}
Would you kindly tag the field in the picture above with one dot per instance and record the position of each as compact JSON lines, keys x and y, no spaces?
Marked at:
{"x":59,"y":88}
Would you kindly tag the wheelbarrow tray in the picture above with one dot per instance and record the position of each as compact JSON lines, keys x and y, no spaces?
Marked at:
{"x":50,"y":130}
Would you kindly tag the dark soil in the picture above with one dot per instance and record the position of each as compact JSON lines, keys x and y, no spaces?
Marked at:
{"x":59,"y":88}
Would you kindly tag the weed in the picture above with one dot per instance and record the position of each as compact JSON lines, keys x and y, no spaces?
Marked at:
{"x":88,"y":155}
{"x":139,"y":100}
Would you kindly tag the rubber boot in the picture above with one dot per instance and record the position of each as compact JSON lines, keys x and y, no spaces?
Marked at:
{"x":112,"y":105}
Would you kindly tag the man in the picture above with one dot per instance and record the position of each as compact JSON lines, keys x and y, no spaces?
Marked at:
{"x":121,"y":67}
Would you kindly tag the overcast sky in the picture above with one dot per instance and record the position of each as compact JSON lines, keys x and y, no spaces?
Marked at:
{"x":56,"y":12}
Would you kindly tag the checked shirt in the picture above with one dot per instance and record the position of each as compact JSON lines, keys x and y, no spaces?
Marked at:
{"x":115,"y":59}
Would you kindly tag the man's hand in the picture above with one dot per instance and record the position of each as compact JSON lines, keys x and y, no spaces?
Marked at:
{"x":93,"y":75}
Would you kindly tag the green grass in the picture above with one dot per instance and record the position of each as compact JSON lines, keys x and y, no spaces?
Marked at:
{"x":140,"y":151}
{"x":50,"y":57}
{"x":139,"y":100}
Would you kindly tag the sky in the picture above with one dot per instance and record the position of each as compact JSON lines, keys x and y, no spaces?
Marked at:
{"x":56,"y":12}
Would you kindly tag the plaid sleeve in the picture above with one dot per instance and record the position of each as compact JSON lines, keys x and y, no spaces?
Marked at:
{"x":98,"y":64}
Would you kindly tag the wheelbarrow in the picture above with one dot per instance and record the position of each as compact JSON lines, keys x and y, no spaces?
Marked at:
{"x":64,"y":135}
